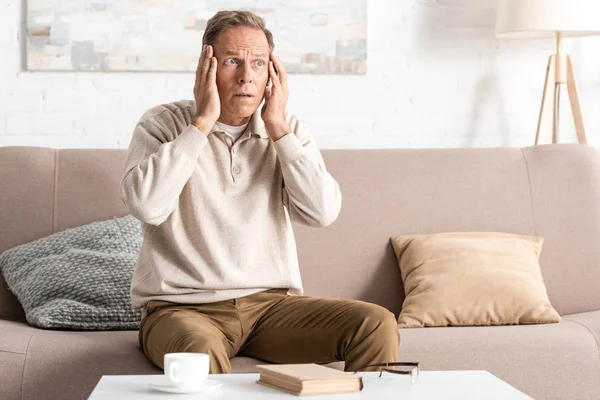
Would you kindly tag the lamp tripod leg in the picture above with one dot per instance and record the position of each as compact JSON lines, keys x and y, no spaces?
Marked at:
{"x":548,"y":95}
{"x":575,"y":107}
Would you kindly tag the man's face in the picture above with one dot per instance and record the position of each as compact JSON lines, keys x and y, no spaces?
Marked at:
{"x":242,"y":72}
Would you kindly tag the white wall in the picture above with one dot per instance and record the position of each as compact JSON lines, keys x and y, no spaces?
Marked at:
{"x":436,"y":77}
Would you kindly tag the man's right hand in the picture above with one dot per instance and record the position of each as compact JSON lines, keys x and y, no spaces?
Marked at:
{"x":208,"y":105}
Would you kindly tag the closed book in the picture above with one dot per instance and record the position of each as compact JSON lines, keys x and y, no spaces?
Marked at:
{"x":308,"y":379}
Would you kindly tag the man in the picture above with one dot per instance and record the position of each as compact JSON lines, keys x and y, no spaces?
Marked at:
{"x":216,"y":182}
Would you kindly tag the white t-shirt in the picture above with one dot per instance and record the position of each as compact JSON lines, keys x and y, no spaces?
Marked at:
{"x":234,"y":131}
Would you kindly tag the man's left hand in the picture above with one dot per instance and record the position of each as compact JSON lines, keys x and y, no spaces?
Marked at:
{"x":276,"y":96}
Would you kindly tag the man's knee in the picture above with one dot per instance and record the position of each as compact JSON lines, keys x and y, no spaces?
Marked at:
{"x":193,"y":342}
{"x":182,"y":332}
{"x":378,"y":324}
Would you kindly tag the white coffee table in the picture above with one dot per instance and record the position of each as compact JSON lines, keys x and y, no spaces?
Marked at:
{"x":431,"y":385}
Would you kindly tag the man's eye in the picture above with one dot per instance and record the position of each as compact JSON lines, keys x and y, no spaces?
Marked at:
{"x":260,"y":63}
{"x":230,"y":61}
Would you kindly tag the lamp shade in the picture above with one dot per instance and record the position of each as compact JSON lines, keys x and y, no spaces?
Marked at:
{"x":544,"y":18}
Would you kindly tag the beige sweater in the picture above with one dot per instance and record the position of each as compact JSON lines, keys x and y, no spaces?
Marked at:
{"x":216,"y":214}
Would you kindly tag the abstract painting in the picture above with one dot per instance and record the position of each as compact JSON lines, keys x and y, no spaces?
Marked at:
{"x":311,"y":36}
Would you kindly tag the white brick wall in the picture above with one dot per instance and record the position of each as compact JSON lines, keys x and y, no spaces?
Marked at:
{"x":437,"y":77}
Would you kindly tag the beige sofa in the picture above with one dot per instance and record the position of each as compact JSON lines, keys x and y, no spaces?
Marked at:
{"x":552,"y":191}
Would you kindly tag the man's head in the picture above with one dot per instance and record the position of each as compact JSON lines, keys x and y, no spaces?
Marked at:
{"x":242,"y":45}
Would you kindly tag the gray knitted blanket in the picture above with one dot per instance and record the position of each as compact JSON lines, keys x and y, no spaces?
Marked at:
{"x":78,"y":278}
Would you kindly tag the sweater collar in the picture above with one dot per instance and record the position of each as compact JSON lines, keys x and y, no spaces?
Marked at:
{"x":256,"y":126}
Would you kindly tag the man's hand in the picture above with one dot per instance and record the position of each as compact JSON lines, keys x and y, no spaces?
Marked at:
{"x":208,"y":106}
{"x":273,"y":111}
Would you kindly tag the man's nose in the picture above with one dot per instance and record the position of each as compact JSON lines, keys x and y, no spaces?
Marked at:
{"x":245,"y":75}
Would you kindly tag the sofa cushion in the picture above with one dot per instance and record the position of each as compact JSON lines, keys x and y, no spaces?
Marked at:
{"x":546,"y":361}
{"x":56,"y":359}
{"x":591,"y":321}
{"x":472,"y":278}
{"x":15,"y":336}
{"x":78,"y":278}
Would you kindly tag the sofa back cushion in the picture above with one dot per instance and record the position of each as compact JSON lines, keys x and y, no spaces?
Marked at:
{"x":550,"y":191}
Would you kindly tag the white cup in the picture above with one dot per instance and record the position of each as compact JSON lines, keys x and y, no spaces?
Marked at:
{"x":184,"y":370}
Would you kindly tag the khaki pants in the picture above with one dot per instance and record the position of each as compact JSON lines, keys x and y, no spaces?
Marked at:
{"x":275,"y":327}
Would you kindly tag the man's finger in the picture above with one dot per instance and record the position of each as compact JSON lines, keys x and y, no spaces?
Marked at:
{"x":199,"y":67}
{"x":207,"y":59}
{"x":204,"y":75}
{"x":279,"y":68}
{"x":274,"y":78}
{"x":213,"y":70}
{"x":201,"y":59}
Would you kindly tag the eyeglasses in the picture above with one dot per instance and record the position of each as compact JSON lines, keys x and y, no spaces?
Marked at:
{"x":413,"y":372}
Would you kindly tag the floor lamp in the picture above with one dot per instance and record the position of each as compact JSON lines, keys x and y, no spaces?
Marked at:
{"x":552,"y":19}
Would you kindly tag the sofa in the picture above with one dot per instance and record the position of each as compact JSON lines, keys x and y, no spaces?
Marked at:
{"x":551,"y":191}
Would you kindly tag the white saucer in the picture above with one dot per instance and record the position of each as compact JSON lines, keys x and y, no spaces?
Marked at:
{"x":163,"y":386}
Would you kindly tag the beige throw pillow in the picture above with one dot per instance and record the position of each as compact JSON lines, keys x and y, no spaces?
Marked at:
{"x":472,"y":278}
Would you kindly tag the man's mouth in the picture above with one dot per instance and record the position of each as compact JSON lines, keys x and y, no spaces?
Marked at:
{"x":247,"y":95}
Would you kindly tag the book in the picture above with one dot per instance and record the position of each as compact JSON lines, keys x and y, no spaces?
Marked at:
{"x":308,"y":379}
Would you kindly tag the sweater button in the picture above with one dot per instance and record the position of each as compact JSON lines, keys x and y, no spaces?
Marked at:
{"x":236,"y":170}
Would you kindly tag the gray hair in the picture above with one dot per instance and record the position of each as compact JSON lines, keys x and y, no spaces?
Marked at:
{"x":232,"y":19}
